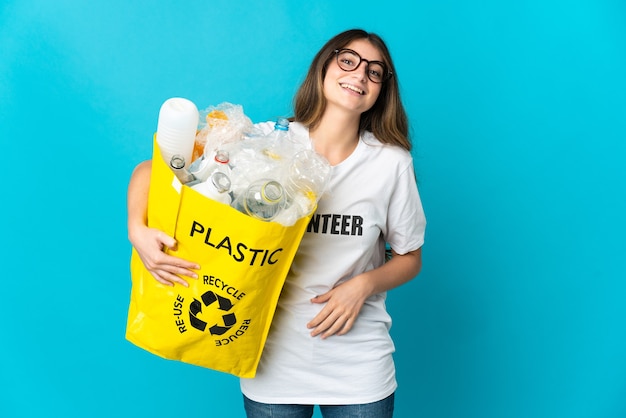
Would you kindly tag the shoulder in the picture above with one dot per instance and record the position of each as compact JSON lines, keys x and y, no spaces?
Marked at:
{"x":390,"y":153}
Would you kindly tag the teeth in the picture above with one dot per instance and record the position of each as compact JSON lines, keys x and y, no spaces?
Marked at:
{"x":351,"y":87}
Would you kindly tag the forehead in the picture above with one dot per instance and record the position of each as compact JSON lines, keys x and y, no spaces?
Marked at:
{"x":365,"y":49}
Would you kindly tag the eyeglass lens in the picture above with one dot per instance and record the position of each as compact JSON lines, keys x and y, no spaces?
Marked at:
{"x":349,"y":60}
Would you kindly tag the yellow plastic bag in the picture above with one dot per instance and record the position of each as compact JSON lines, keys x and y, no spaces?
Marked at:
{"x":222,"y":319}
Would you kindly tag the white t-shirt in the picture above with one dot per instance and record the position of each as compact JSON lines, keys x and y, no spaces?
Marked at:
{"x":372,"y":199}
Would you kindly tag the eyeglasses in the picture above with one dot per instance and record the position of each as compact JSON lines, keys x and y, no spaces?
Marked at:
{"x":349,"y":60}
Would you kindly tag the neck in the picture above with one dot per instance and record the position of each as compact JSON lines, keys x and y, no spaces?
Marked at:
{"x":336,"y":137}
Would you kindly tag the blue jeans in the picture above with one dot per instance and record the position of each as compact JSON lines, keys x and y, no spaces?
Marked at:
{"x":379,"y":409}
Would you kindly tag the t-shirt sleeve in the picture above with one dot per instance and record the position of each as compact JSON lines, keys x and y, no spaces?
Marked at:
{"x":406,"y":222}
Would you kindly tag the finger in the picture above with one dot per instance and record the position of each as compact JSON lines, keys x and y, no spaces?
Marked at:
{"x":346,"y":327}
{"x":162,"y":281}
{"x":329,"y":331}
{"x":177,"y":279}
{"x":340,"y":327}
{"x":334,"y":328}
{"x":319,"y":318}
{"x":168,"y":279}
{"x":321,"y":298}
{"x":175,"y":265}
{"x":326,"y":325}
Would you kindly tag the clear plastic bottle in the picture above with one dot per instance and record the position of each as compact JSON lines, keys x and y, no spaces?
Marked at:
{"x":308,"y":173}
{"x":177,"y":164}
{"x":222,"y":161}
{"x":208,"y":163}
{"x":306,"y":180}
{"x":280,"y":146}
{"x":264,"y":199}
{"x":217,"y":187}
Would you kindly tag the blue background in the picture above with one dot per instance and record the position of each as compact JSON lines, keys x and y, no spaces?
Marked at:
{"x":518,"y":114}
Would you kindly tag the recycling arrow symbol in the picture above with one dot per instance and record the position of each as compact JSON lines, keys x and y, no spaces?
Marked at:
{"x":223,"y":304}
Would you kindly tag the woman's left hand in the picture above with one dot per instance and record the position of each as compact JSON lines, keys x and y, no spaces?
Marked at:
{"x":343,"y":304}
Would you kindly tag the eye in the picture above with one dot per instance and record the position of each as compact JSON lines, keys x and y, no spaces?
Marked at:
{"x":348,"y":61}
{"x":376,"y":74}
{"x":376,"y":71}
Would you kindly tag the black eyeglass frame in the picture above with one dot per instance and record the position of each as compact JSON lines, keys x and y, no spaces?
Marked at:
{"x":387,"y":72}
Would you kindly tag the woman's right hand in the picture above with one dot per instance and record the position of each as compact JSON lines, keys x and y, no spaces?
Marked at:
{"x":150,"y":244}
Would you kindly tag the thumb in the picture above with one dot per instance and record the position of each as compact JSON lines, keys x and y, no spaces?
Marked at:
{"x":323,"y":298}
{"x":167,"y":241}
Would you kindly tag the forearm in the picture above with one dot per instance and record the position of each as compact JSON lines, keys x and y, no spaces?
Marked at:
{"x":396,"y":272}
{"x":137,"y":197}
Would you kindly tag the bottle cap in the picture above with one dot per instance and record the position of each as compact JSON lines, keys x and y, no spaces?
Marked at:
{"x":282,"y":124}
{"x":272,"y":192}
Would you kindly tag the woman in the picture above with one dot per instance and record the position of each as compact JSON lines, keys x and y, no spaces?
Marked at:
{"x":329,"y":343}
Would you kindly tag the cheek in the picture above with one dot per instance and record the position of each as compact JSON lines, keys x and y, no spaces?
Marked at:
{"x":374,"y":95}
{"x":376,"y":89}
{"x":331,"y":74}
{"x":329,"y":82}
{"x":325,"y":86}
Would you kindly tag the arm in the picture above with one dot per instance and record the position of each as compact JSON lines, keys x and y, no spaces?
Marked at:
{"x":149,"y":242}
{"x":344,"y":302}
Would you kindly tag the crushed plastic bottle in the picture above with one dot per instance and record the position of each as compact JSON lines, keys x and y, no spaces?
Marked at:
{"x":306,"y":180}
{"x":263,"y":199}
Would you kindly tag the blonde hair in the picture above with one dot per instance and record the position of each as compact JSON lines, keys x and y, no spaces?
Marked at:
{"x":387,"y":119}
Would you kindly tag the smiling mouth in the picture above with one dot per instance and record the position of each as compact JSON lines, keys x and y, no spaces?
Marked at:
{"x":351,"y":87}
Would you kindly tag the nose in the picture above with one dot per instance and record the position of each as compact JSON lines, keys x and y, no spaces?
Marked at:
{"x":361,"y":69}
